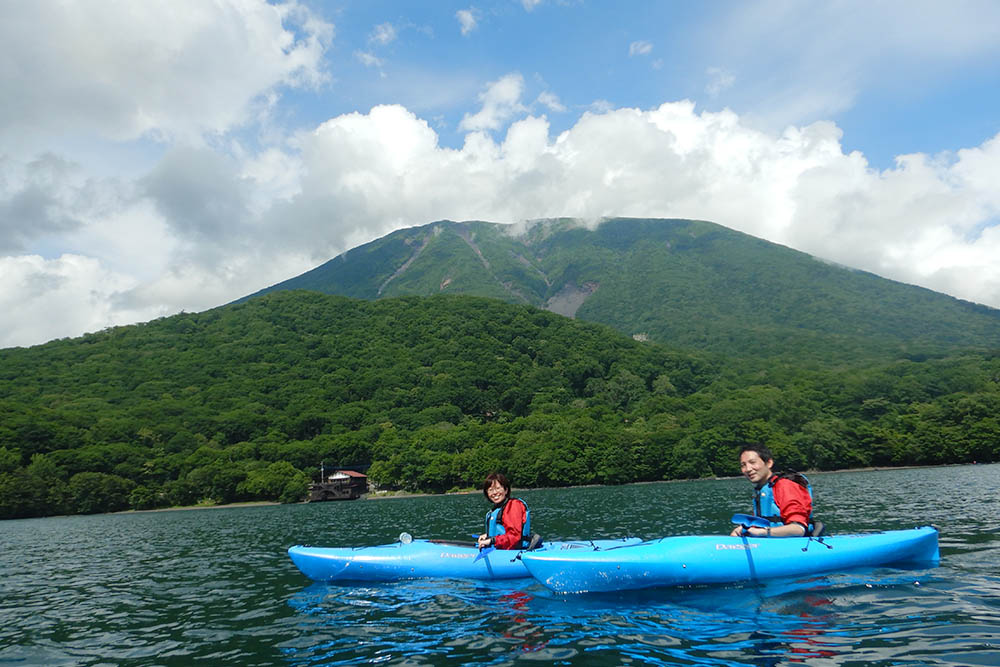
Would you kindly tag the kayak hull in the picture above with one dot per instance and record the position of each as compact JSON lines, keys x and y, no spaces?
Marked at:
{"x":425,"y":559}
{"x":707,"y":559}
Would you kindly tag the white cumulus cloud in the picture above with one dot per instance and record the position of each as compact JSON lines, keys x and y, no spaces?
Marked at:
{"x":122,"y":70}
{"x":501,"y":100}
{"x":62,"y":297}
{"x":550,"y":101}
{"x":383,"y":34}
{"x":640,"y":48}
{"x":368,"y":59}
{"x":467,"y":20}
{"x":719,"y":80}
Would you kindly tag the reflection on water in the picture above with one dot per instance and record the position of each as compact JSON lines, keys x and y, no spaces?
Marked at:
{"x":421,"y":623}
{"x":216,"y":586}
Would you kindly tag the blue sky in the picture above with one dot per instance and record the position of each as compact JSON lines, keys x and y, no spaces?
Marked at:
{"x":166,"y":156}
{"x":889,"y":95}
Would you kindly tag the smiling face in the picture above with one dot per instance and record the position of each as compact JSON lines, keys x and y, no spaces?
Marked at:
{"x":755,"y":468}
{"x":496,"y":493}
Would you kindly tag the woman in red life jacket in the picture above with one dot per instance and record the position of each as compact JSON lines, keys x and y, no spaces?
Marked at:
{"x":784,"y":499}
{"x":508,"y":524}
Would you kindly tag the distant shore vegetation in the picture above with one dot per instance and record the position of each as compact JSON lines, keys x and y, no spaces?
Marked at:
{"x":242,"y":403}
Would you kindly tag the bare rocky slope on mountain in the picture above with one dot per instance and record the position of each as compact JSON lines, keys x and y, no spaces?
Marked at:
{"x":684,"y":283}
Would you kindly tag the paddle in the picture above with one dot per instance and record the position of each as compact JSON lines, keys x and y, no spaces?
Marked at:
{"x":483,"y":551}
{"x":747,"y":521}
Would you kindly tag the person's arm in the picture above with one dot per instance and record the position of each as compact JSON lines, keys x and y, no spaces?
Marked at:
{"x":513,"y":522}
{"x":786,"y":530}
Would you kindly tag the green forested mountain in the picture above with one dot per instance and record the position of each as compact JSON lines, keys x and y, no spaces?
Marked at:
{"x":681,"y":282}
{"x":244,"y":401}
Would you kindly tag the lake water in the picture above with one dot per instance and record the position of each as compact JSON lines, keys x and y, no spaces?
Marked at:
{"x":215,"y":586}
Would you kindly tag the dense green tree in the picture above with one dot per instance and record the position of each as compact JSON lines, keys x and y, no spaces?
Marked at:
{"x":279,"y":481}
{"x":247,"y":401}
{"x":144,"y":498}
{"x":9,"y":460}
{"x":36,"y":490}
{"x":219,"y":481}
{"x":93,"y":492}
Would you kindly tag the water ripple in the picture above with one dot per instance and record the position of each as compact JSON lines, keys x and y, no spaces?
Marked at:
{"x":216,"y":587}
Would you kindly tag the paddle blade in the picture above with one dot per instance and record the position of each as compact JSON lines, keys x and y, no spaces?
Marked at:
{"x":747,"y":520}
{"x":483,"y":553}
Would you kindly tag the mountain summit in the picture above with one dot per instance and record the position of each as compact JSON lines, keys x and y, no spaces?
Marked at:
{"x":684,"y":283}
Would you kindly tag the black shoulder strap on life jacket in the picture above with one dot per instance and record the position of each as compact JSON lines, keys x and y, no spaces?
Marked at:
{"x":790,"y":475}
{"x":502,"y":508}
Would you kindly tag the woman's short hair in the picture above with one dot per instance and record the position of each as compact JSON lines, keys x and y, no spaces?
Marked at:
{"x":495,"y":477}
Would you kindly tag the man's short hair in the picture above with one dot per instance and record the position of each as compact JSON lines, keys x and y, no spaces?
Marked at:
{"x":761,"y":450}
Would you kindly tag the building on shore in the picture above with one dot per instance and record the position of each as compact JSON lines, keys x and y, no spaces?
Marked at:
{"x":338,"y":485}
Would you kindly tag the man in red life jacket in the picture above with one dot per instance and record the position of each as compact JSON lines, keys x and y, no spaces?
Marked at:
{"x":784,"y":499}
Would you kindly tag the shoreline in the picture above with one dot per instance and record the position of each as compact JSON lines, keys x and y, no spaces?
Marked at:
{"x":249,"y":503}
{"x":390,"y":495}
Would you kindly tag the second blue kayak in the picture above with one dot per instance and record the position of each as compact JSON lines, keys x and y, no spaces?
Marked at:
{"x":709,"y":559}
{"x":426,"y":558}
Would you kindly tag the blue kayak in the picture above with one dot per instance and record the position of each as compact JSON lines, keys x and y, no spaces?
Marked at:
{"x":708,"y":559}
{"x":427,"y":558}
